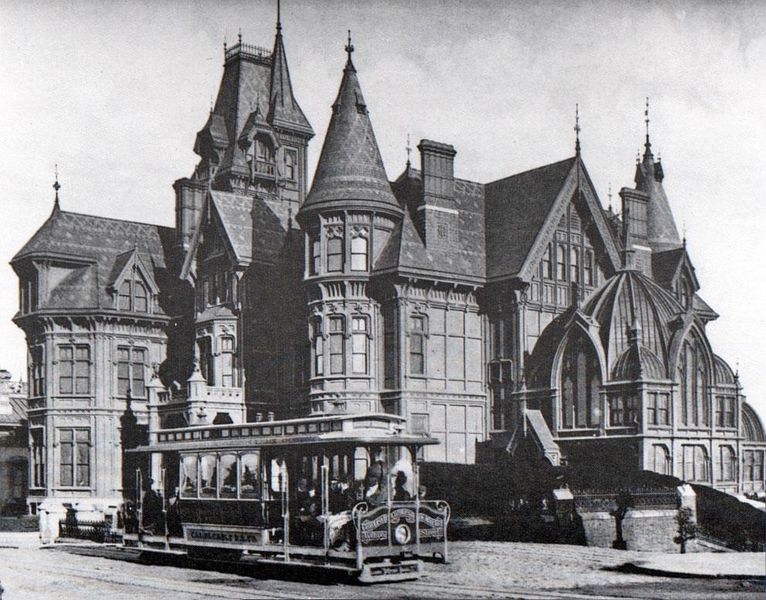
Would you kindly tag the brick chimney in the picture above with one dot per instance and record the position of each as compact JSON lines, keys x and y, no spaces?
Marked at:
{"x":436,"y":217}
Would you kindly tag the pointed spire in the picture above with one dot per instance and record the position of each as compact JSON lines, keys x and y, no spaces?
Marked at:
{"x":283,"y":108}
{"x":350,"y":170}
{"x":577,"y":129}
{"x":56,"y":187}
{"x":609,"y":194}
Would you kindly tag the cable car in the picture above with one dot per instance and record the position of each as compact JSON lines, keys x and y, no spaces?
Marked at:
{"x":340,"y":492}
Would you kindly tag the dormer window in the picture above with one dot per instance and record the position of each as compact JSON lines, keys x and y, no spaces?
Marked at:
{"x":133,"y":296}
{"x":260,"y":156}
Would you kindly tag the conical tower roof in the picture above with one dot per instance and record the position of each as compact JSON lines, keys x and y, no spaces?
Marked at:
{"x":350,"y":171}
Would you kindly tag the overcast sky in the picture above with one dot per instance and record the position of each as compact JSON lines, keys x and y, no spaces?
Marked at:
{"x":114,"y":92}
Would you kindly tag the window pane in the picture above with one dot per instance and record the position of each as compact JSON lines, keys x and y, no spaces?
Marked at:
{"x":141,"y":297}
{"x":249,"y":476}
{"x":335,"y":254}
{"x":208,"y":476}
{"x":359,"y":254}
{"x":228,"y":476}
{"x":124,"y":300}
{"x":189,"y":477}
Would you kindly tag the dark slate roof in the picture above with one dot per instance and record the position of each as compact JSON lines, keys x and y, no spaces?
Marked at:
{"x":700,"y":306}
{"x":661,"y":227}
{"x":406,"y":250}
{"x":516,"y":208}
{"x":234,"y":212}
{"x":283,"y":108}
{"x":350,"y":170}
{"x":665,"y":265}
{"x":253,"y":231}
{"x":93,"y":246}
{"x":18,"y":411}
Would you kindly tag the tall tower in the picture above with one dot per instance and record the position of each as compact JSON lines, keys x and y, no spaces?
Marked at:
{"x":348,"y":217}
{"x":238,"y":243}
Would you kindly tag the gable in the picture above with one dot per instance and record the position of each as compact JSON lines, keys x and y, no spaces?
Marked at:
{"x":576,"y":190}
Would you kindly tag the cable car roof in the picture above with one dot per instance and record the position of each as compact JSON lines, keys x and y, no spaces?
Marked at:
{"x":347,"y":429}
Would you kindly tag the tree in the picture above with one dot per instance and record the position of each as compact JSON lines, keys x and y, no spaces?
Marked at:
{"x":687,"y":528}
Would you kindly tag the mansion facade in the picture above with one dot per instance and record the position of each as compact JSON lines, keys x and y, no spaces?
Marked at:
{"x":487,"y":314}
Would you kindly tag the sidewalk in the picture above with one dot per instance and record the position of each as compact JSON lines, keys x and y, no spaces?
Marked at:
{"x":735,"y":565}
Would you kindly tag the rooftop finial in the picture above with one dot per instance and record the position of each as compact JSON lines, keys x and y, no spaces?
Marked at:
{"x":577,"y":129}
{"x":647,"y":144}
{"x":239,"y":36}
{"x":56,"y":184}
{"x":279,"y":16}
{"x":683,"y":228}
{"x":349,"y":46}
{"x":409,"y":150}
{"x":609,"y":193}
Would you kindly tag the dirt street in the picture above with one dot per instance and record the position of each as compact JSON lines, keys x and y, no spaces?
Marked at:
{"x":476,"y":569}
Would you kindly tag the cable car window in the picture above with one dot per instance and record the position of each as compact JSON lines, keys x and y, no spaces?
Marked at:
{"x":208,"y":477}
{"x":189,"y":477}
{"x":228,"y":487}
{"x":278,"y":475}
{"x":248,"y":479}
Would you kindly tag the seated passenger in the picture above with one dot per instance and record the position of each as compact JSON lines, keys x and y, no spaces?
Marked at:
{"x":400,"y":491}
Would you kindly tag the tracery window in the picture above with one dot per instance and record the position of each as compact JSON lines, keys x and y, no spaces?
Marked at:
{"x":580,"y":384}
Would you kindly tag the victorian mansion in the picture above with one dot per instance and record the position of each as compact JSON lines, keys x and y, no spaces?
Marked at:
{"x":487,"y":314}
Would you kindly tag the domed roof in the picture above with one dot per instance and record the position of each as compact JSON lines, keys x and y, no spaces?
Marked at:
{"x":630,"y":301}
{"x":638,"y":362}
{"x":751,"y":424}
{"x":723,"y":372}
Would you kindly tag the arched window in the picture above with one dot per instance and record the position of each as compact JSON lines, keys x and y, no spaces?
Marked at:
{"x":588,"y":267}
{"x":727,"y":467}
{"x":125,"y":296}
{"x":561,"y":262}
{"x":695,"y":464}
{"x":335,"y":254}
{"x":575,"y":264}
{"x":580,"y":384}
{"x":661,"y":460}
{"x":548,"y":263}
{"x":684,"y":295}
{"x":141,"y":304}
{"x":359,"y":345}
{"x":133,"y":295}
{"x":359,"y":253}
{"x":692,"y":379}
